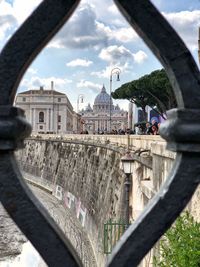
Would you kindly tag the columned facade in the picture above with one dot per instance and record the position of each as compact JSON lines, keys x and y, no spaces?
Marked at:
{"x":48,"y":111}
{"x":104,"y":117}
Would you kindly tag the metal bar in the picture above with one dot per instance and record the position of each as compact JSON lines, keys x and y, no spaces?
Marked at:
{"x":105,"y":239}
{"x":115,"y":232}
{"x":28,"y":41}
{"x":168,"y":47}
{"x":127,"y":189}
{"x":15,"y":196}
{"x":25,"y":209}
{"x":159,"y":214}
{"x":178,"y":189}
{"x":110,"y":237}
{"x":184,"y":75}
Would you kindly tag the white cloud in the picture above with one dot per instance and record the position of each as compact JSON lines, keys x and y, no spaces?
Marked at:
{"x":105,"y":73}
{"x":85,"y":31}
{"x":108,"y":12}
{"x":32,"y":70}
{"x":13,"y":15}
{"x":115,"y":54}
{"x":19,"y":9}
{"x":125,"y":35}
{"x":140,"y":57}
{"x":35,"y":82}
{"x":102,"y":74}
{"x":79,"y":62}
{"x":121,"y":34}
{"x":7,"y":19}
{"x":80,"y":31}
{"x":89,"y":85}
{"x":120,"y":55}
{"x":5,"y":8}
{"x":6,"y":23}
{"x":113,"y":9}
{"x":186,"y":23}
{"x":22,"y":9}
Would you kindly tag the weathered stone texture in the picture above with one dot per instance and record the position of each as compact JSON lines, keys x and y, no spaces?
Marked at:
{"x":69,"y":225}
{"x":86,"y":178}
{"x":11,"y":238}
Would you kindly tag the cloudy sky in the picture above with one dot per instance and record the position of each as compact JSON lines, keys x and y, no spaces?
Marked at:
{"x":96,"y":39}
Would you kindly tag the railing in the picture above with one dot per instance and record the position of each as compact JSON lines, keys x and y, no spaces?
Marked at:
{"x":112,"y":233}
{"x":181,"y":130}
{"x":134,"y":141}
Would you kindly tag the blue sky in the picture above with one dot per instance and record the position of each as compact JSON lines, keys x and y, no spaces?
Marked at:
{"x":96,"y":39}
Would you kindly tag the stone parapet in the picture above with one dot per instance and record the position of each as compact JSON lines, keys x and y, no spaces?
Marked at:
{"x":83,"y":172}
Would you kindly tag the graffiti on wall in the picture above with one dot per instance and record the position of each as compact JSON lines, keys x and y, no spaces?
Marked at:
{"x":71,"y":202}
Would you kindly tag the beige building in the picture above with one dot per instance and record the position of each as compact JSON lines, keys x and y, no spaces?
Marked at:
{"x":104,"y":116}
{"x":48,"y":111}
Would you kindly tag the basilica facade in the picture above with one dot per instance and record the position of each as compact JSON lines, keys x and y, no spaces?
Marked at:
{"x":103,"y":117}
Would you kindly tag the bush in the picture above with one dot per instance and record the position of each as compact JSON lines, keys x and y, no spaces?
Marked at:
{"x":180,"y":246}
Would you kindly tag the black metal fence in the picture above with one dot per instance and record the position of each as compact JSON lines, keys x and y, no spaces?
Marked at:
{"x":181,"y":130}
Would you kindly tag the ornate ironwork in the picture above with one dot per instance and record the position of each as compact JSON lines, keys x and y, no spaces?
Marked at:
{"x":181,"y":131}
{"x":15,"y":196}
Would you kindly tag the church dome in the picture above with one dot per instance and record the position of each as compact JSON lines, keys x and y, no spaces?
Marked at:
{"x":88,"y":108}
{"x":103,"y":98}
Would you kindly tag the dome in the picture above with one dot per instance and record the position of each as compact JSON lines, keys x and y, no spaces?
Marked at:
{"x":103,"y":98}
{"x":88,"y":108}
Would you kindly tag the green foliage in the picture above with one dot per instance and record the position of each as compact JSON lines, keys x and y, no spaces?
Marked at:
{"x":152,"y":90}
{"x":180,"y":246}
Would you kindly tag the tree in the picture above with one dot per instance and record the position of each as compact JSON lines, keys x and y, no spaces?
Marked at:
{"x":180,"y":246}
{"x":152,"y":90}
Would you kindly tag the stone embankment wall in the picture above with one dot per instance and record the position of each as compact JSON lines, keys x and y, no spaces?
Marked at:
{"x":85,"y":178}
{"x":11,"y":238}
{"x":69,"y":224}
{"x":83,"y":172}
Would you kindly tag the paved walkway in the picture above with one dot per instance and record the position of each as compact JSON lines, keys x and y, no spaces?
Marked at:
{"x":69,"y":225}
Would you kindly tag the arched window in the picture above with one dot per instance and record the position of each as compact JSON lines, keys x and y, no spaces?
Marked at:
{"x":41,"y":116}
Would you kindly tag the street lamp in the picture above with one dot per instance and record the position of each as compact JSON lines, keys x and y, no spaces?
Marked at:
{"x":116,"y":71}
{"x":127,"y":166}
{"x":79,"y":100}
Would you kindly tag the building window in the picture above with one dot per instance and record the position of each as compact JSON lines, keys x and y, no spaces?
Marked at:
{"x":59,"y":118}
{"x":41,"y":116}
{"x":41,"y":127}
{"x":59,"y":127}
{"x":24,"y":99}
{"x":59,"y":99}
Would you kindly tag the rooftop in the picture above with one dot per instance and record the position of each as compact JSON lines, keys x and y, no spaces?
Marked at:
{"x":41,"y":91}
